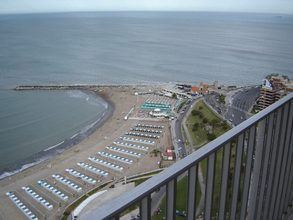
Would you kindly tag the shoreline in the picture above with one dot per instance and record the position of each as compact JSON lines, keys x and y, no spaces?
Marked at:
{"x":52,"y":151}
{"x":85,"y":87}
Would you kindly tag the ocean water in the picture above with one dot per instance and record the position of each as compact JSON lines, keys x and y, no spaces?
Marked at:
{"x":33,"y":124}
{"x":122,"y":47}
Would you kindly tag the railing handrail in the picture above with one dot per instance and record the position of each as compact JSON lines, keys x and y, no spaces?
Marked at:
{"x":127,"y":199}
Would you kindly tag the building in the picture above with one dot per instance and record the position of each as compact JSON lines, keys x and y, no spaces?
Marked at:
{"x":169,"y":155}
{"x":203,"y":88}
{"x":274,"y":87}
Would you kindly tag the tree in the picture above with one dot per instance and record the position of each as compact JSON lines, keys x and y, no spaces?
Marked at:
{"x":195,"y":112}
{"x":205,"y":120}
{"x":215,"y":121}
{"x":222,"y":99}
{"x":200,"y":115}
{"x":174,"y":96}
{"x":211,"y":136}
{"x":195,"y":126}
{"x":225,"y":126}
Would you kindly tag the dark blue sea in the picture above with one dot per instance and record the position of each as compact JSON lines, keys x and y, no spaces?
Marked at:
{"x":127,"y":48}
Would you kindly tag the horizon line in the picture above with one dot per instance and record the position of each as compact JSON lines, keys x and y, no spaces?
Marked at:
{"x":145,"y":10}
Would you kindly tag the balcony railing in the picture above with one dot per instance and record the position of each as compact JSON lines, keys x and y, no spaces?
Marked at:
{"x":254,"y":161}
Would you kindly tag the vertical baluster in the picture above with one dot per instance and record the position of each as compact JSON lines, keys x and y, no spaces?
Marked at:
{"x":289,"y":190}
{"x":267,"y":151}
{"x":289,"y":182}
{"x":171,"y":199}
{"x":278,"y":164}
{"x":288,"y":150}
{"x":248,"y":167}
{"x":209,"y":187}
{"x":273,"y":162}
{"x":192,"y":185}
{"x":280,"y":168}
{"x":145,"y":208}
{"x":253,"y":196}
{"x":237,"y":171}
{"x":224,"y":180}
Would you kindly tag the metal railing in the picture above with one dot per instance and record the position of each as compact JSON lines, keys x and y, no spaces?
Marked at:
{"x":253,"y":160}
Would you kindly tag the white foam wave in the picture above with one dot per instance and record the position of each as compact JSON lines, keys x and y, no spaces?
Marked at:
{"x":77,"y":94}
{"x":105,"y":104}
{"x":90,"y":99}
{"x":56,"y":145}
{"x":73,"y":136}
{"x":26,"y":166}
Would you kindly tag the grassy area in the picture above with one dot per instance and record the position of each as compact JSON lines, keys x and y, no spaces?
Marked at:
{"x":204,"y":125}
{"x":222,"y":99}
{"x":181,"y":199}
{"x":140,"y":181}
{"x":207,"y":123}
{"x":218,"y":176}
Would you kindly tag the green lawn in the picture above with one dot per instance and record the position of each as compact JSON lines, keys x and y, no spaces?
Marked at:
{"x":200,"y":134}
{"x":218,"y":176}
{"x":200,"y":137}
{"x":140,"y":181}
{"x":181,"y":199}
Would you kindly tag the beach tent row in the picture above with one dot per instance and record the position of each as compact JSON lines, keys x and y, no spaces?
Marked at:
{"x":81,"y":176}
{"x":138,"y":140}
{"x":92,"y":169}
{"x":53,"y":190}
{"x":37,"y":197}
{"x":67,"y":182}
{"x":150,"y":126}
{"x":143,"y":135}
{"x":159,"y":104}
{"x":165,"y":101}
{"x":28,"y":213}
{"x":149,"y":106}
{"x":105,"y":163}
{"x":129,"y":145}
{"x":121,"y":150}
{"x":115,"y":157}
{"x":146,"y":130}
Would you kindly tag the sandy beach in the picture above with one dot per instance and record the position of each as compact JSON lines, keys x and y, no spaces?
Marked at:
{"x":121,"y":99}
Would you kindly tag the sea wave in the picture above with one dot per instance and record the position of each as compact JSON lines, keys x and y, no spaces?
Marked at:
{"x":58,"y":148}
{"x":54,"y":146}
{"x":88,"y":97}
{"x":90,"y":126}
{"x":73,"y":136}
{"x":23,"y":167}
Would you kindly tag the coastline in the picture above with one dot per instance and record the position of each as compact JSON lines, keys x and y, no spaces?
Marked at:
{"x":108,"y":131}
{"x":52,"y":151}
{"x":118,"y":98}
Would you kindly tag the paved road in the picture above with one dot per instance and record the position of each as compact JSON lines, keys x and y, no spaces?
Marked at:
{"x":178,"y":136}
{"x":213,"y":100}
{"x":240,"y":104}
{"x":236,"y":110}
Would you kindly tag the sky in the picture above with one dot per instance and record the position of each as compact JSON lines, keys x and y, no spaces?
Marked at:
{"x":35,"y":6}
